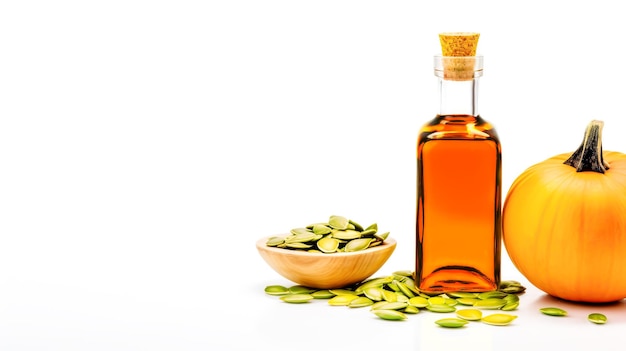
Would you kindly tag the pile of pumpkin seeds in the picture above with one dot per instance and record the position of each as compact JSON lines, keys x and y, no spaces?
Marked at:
{"x":396,"y":296}
{"x":338,"y":234}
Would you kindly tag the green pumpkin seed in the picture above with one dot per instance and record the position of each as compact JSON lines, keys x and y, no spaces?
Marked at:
{"x":405,"y":273}
{"x":553,"y":311}
{"x":300,"y":289}
{"x":499,"y":319}
{"x":437,"y":300}
{"x":377,"y":282}
{"x":300,"y":231}
{"x":513,"y":289}
{"x":357,"y":245}
{"x":418,"y":301}
{"x":276,"y":290}
{"x":346,"y":234}
{"x":511,"y":298}
{"x":411,"y":309}
{"x":310,"y":226}
{"x":597,"y":318}
{"x":451,"y":322}
{"x":373,"y":226}
{"x":356,"y":226}
{"x":390,"y":296}
{"x":322,"y":294}
{"x":507,"y":283}
{"x":342,"y":300}
{"x":328,"y":244}
{"x":470,"y":314}
{"x":400,"y":297}
{"x":462,"y":295}
{"x":377,"y":304}
{"x":466,"y":301}
{"x":410,"y":283}
{"x":375,"y":294}
{"x":360,"y":301}
{"x":391,"y":315}
{"x":510,"y":306}
{"x":451,"y":302}
{"x":491,"y":295}
{"x":441,"y":308}
{"x":393,"y":285}
{"x":321,"y":229}
{"x":405,"y":289}
{"x":382,"y":236}
{"x":297,"y":298}
{"x":275,"y":241}
{"x":391,"y":306}
{"x":343,"y":292}
{"x":297,"y":245}
{"x":338,"y":222}
{"x":490,"y":304}
{"x":368,"y":233}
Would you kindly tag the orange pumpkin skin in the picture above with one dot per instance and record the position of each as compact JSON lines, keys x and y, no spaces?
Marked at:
{"x":565,"y":231}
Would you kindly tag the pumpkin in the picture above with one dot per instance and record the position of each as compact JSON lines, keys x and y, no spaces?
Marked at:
{"x":564,"y":223}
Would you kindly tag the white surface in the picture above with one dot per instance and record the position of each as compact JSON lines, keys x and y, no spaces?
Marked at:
{"x":146,"y":145}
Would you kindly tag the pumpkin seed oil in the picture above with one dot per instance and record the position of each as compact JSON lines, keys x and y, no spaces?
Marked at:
{"x":459,"y":160}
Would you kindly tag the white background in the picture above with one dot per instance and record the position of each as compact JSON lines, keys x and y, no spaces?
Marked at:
{"x":146,"y":145}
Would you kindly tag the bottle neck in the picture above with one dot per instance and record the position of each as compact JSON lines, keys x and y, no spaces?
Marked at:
{"x":458,"y":97}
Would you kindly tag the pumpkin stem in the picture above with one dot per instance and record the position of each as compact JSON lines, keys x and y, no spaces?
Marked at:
{"x":589,"y":157}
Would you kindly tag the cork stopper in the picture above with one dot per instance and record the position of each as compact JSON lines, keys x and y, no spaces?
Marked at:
{"x":458,"y":50}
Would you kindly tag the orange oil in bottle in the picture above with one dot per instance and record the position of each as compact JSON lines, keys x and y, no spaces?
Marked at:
{"x":458,"y":205}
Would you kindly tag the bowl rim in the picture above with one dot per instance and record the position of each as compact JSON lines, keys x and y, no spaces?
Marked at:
{"x":388,"y":243}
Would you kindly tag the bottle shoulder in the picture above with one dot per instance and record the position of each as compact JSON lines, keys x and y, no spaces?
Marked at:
{"x":458,"y":127}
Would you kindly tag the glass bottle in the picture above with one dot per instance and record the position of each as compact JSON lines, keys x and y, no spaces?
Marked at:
{"x":458,"y":226}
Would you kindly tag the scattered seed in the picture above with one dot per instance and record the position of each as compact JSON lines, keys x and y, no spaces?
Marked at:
{"x":490,"y":304}
{"x":374,"y":293}
{"x":391,"y":315}
{"x":467,"y":301}
{"x":470,"y":314}
{"x":405,"y":289}
{"x":499,"y":319}
{"x":391,"y":296}
{"x":396,"y":296}
{"x":553,"y":311}
{"x":342,"y":292}
{"x":322,"y":294}
{"x":492,"y":295}
{"x":342,"y":300}
{"x":361,"y":301}
{"x":437,"y":300}
{"x":418,"y":301}
{"x":411,"y":309}
{"x":462,"y":295}
{"x":297,"y":298}
{"x":299,"y":289}
{"x":403,"y":273}
{"x":510,"y":306}
{"x":392,"y":306}
{"x":276,"y":290}
{"x":441,"y":308}
{"x":597,"y":318}
{"x":451,"y":322}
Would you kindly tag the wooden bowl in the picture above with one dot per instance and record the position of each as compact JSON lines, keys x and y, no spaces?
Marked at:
{"x":326,"y":271}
